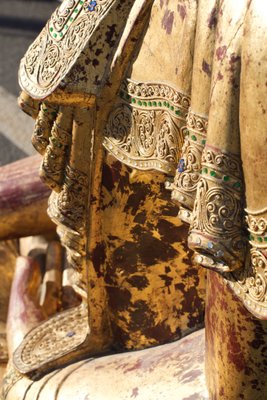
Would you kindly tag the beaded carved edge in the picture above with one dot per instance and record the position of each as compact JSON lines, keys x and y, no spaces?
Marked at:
{"x":52,"y":339}
{"x":217,"y":227}
{"x":250,"y":286}
{"x":145,"y":128}
{"x":187,"y":175}
{"x":56,"y":49}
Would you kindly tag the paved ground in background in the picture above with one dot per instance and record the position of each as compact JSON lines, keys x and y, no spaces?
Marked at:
{"x":20,"y":22}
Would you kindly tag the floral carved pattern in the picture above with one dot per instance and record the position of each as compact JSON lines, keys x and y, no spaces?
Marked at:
{"x":188,"y":172}
{"x":217,"y":222}
{"x":56,"y":49}
{"x":144,"y":130}
{"x":250,"y":285}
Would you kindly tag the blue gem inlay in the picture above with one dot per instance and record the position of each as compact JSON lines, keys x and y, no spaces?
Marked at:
{"x":91,"y":6}
{"x":70,"y":334}
{"x":181,"y":165}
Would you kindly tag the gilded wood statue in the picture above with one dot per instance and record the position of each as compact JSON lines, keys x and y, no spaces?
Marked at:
{"x":151,"y":123}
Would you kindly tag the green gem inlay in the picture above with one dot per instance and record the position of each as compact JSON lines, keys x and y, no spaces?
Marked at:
{"x":172,"y":108}
{"x":168,"y":105}
{"x":265,"y":238}
{"x":54,"y":114}
{"x":237,"y":185}
{"x":203,"y":141}
{"x":205,"y":170}
{"x":66,"y":26}
{"x":71,"y":19}
{"x":226,"y":178}
{"x":133,"y":100}
{"x":149,"y":103}
{"x":55,"y":35}
{"x":76,"y":10}
{"x":193,"y":137}
{"x":61,"y":34}
{"x":212,"y":173}
{"x":51,"y":29}
{"x":139,"y":102}
{"x":260,"y":239}
{"x":160,"y":104}
{"x":144,"y":103}
{"x":177,"y":112}
{"x":164,"y":103}
{"x":81,"y":2}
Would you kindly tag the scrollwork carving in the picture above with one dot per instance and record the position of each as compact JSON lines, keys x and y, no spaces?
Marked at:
{"x":188,"y":172}
{"x":56,"y":49}
{"x":67,"y":208}
{"x":144,"y":129}
{"x":250,"y":285}
{"x":217,"y":228}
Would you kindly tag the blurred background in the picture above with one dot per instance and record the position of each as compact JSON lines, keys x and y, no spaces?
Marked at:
{"x":20,"y":23}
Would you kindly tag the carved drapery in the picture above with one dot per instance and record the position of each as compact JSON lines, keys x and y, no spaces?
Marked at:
{"x":60,"y":43}
{"x":53,"y":339}
{"x":250,"y":285}
{"x":189,"y":166}
{"x":217,"y":227}
{"x":145,"y":128}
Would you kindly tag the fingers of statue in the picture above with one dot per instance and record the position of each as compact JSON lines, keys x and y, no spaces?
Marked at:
{"x":29,"y":105}
{"x":50,"y":292}
{"x":57,"y":150}
{"x":43,"y":127}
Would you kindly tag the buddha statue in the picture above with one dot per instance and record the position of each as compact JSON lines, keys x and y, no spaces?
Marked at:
{"x":152,"y":148}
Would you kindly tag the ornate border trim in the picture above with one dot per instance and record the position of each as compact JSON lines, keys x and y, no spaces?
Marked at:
{"x":144,"y":130}
{"x":57,"y":48}
{"x":250,"y":285}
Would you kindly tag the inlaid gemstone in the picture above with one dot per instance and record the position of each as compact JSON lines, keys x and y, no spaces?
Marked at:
{"x":91,"y":6}
{"x":226,"y":178}
{"x":212,"y":173}
{"x":70,"y":334}
{"x":181,"y":165}
{"x":193,"y":137}
{"x":237,"y":185}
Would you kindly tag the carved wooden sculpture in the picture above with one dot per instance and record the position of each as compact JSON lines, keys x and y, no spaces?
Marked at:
{"x":126,"y":91}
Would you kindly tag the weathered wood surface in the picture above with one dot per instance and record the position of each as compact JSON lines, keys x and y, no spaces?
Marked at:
{"x":23,"y":200}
